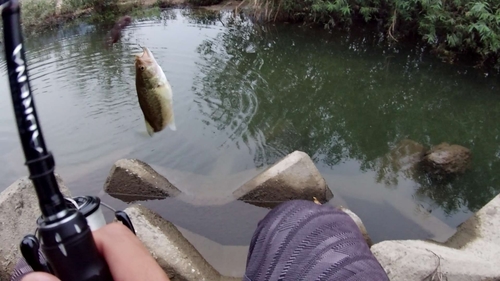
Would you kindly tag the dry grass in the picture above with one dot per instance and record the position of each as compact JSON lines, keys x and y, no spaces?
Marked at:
{"x":261,"y":10}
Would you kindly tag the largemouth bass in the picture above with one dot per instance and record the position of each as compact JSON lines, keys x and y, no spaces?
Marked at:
{"x":154,"y":93}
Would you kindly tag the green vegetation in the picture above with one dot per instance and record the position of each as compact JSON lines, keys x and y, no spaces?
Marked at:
{"x":34,"y":10}
{"x":452,"y":28}
{"x":40,"y":14}
{"x":455,"y":29}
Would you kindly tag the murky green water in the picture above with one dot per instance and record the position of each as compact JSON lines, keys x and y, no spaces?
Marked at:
{"x":244,"y":97}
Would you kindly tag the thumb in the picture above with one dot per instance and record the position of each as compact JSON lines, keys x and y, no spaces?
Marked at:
{"x":39,"y":276}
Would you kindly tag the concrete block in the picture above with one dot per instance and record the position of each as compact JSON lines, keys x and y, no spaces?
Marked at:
{"x":414,"y":260}
{"x":132,"y":180}
{"x":472,"y":253}
{"x":480,"y":234}
{"x":294,"y":177}
{"x":19,"y":210}
{"x":172,"y":251}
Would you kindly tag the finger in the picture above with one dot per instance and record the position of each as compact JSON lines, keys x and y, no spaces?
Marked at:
{"x":39,"y":276}
{"x":122,"y":249}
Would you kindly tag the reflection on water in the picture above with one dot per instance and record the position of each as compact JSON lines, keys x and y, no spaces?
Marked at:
{"x":341,"y":97}
{"x":244,"y":97}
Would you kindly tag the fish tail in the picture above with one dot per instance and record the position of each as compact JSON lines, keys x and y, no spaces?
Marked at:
{"x":149,"y":128}
{"x":171,"y":125}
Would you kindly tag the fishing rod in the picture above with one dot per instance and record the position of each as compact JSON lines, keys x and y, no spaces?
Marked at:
{"x":65,"y":226}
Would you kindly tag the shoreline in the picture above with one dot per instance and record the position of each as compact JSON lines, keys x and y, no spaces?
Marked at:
{"x":53,"y":13}
{"x":39,"y":15}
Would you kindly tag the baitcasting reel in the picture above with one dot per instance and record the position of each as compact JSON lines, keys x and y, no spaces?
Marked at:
{"x":90,"y":207}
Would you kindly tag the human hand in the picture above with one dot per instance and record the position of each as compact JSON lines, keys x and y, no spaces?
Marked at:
{"x":127,"y":258}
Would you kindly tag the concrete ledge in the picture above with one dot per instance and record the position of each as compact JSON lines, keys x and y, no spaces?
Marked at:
{"x":473,"y":253}
{"x":418,"y":260}
{"x":19,"y":210}
{"x":480,"y":234}
{"x":171,"y":250}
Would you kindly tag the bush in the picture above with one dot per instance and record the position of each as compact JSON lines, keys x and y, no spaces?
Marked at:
{"x":451,"y":27}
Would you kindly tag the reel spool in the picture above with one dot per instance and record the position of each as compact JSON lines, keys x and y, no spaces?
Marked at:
{"x":90,"y":207}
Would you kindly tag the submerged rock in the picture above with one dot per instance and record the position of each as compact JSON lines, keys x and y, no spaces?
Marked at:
{"x":20,"y":210}
{"x":402,"y":159}
{"x":294,"y":177}
{"x":446,"y":159}
{"x":131,"y":180}
{"x":407,"y":153}
{"x":173,"y":252}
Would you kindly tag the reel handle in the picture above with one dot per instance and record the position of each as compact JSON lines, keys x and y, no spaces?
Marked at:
{"x":30,"y":249}
{"x":123,"y":218}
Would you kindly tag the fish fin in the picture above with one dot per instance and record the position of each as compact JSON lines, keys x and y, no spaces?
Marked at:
{"x":172,"y":126}
{"x":149,"y":128}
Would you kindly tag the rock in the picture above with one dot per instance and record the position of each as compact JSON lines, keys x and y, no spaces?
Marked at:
{"x":131,"y":179}
{"x":471,"y":254}
{"x":446,"y":159}
{"x":402,"y":159}
{"x":408,"y":153}
{"x":172,"y":251}
{"x":359,"y":223}
{"x":294,"y":177}
{"x":20,"y":210}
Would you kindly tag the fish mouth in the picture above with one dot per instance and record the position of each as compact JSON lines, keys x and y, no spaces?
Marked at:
{"x":141,"y":56}
{"x":146,"y":52}
{"x":146,"y":57}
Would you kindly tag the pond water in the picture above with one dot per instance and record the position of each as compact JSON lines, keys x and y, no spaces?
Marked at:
{"x":246,"y":96}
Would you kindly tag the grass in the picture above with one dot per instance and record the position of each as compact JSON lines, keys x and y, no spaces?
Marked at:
{"x":33,"y":11}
